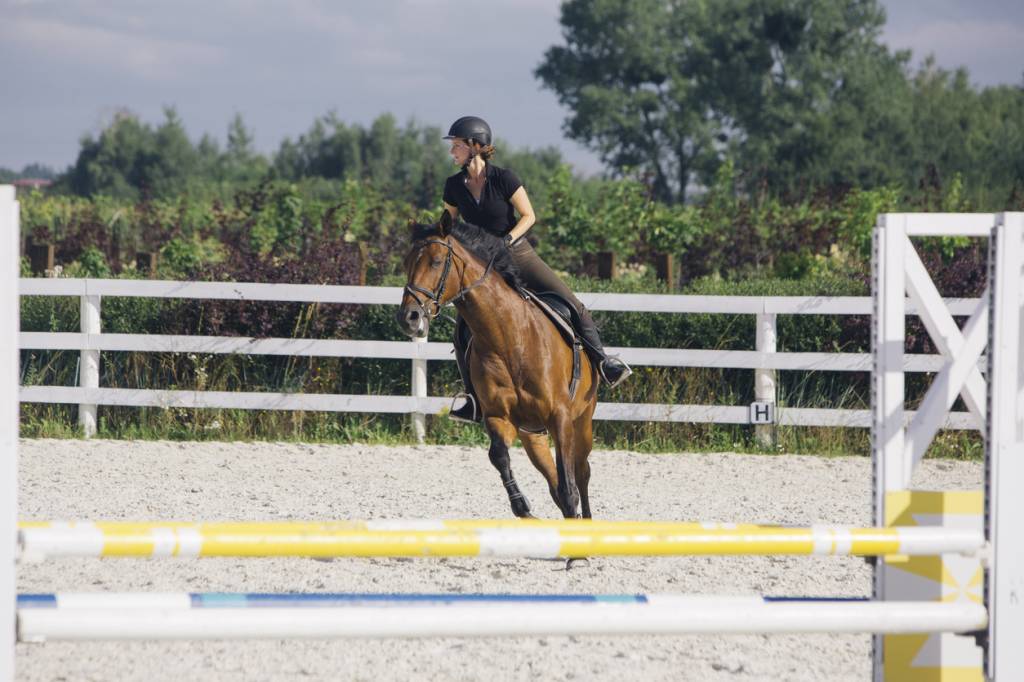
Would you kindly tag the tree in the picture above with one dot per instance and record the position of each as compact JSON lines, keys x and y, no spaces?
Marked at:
{"x":959,"y":131}
{"x":129,"y":158}
{"x":242,"y":163}
{"x":404,"y":162}
{"x":814,"y":97}
{"x":381,"y":152}
{"x":37,"y":170}
{"x":329,"y":150}
{"x":620,"y":75}
{"x":209,"y":159}
{"x":173,"y":162}
{"x":32,"y":170}
{"x":673,"y":87}
{"x":537,"y":168}
{"x":113,"y":163}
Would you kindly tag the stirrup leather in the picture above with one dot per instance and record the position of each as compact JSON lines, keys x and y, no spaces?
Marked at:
{"x":625,"y":374}
{"x":471,"y":401}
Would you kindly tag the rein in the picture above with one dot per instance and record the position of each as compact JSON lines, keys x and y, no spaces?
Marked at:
{"x":435,"y":296}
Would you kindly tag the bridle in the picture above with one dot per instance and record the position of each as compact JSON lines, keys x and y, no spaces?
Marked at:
{"x":434,"y":297}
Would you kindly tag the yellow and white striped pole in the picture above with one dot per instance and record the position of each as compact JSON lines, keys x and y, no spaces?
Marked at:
{"x":537,"y":539}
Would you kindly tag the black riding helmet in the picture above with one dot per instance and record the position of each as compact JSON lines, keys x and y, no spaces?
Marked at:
{"x":471,"y":128}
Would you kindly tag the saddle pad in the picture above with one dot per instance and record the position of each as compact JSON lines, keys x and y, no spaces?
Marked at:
{"x":563,"y":325}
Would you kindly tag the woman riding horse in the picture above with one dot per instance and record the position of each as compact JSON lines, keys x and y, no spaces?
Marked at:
{"x":529,"y":381}
{"x":489,"y":197}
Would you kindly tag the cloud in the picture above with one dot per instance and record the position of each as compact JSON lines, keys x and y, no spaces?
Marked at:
{"x":279,"y":62}
{"x":119,"y":51}
{"x":993,"y":51}
{"x":320,"y":18}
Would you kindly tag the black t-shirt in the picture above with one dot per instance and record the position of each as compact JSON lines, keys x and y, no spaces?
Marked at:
{"x":494,"y":213}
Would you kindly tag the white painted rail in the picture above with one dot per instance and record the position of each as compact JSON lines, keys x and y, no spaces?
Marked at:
{"x":657,"y":614}
{"x":764,"y":360}
{"x":315,"y":293}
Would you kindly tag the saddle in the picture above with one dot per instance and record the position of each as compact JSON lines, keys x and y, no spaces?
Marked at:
{"x":561,"y":313}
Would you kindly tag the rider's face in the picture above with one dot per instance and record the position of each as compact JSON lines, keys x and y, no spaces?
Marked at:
{"x":460,"y":151}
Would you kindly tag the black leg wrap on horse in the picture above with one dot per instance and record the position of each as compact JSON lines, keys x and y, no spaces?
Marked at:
{"x":613,"y":370}
{"x":498,"y":454}
{"x":470,"y":411}
{"x":513,"y":491}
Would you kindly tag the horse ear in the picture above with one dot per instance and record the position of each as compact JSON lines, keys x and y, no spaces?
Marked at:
{"x":444,"y":225}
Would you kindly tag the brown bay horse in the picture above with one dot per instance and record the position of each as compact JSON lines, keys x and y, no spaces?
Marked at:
{"x":519,"y":363}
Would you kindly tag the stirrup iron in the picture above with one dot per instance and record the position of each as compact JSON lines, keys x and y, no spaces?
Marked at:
{"x":471,"y":401}
{"x":627,"y":372}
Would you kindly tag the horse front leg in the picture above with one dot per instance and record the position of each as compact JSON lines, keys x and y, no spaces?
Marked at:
{"x":583,"y":441}
{"x":565,"y":463}
{"x":502,"y":434}
{"x":536,"y":445}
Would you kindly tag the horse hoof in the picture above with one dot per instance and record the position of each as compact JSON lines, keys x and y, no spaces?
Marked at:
{"x":578,"y":562}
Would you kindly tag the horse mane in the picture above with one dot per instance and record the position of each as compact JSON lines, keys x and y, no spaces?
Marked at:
{"x":481,"y":243}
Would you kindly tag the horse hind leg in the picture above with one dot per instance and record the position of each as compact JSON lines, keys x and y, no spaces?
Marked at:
{"x":583,"y":443}
{"x":502,"y":434}
{"x":583,"y":482}
{"x":537,"y":449}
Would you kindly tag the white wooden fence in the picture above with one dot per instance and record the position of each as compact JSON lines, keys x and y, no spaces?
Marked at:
{"x":764,"y":359}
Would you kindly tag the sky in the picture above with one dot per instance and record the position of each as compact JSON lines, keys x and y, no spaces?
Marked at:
{"x":67,"y":66}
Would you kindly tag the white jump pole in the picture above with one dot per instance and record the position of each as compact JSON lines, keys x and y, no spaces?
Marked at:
{"x":9,"y":306}
{"x":656,"y":615}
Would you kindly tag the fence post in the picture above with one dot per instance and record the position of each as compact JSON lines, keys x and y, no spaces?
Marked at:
{"x":664,"y":264}
{"x":41,"y":257}
{"x":764,"y":379}
{"x":89,"y":365}
{"x":419,"y":390}
{"x":147,"y":261}
{"x":364,"y":262}
{"x":9,"y":324}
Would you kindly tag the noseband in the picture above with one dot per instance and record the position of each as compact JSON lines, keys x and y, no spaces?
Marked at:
{"x":434,"y":297}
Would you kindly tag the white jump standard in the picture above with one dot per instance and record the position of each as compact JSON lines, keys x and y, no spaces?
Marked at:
{"x":995,"y":402}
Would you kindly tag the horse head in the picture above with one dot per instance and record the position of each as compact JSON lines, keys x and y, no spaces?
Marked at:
{"x":431,"y":280}
{"x":442,"y":256}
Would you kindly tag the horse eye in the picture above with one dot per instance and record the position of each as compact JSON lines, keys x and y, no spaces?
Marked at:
{"x":435,"y":264}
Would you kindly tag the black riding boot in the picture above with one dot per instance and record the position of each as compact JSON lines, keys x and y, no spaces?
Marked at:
{"x":613,"y":370}
{"x":470,"y":410}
